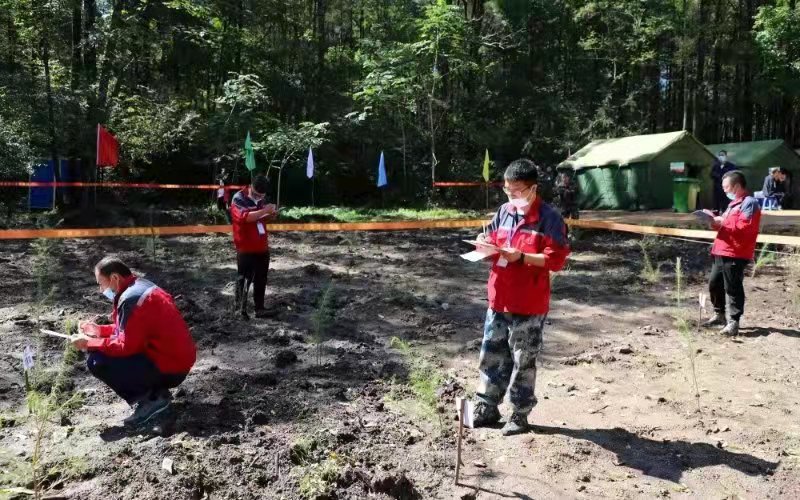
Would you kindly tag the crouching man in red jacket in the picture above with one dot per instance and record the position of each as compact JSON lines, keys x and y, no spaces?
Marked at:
{"x":533,"y":243}
{"x":147,"y":350}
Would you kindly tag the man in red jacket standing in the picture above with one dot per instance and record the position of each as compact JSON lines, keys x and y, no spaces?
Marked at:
{"x":532,"y":237}
{"x":147,"y":351}
{"x":250,"y":213}
{"x":734,"y":247}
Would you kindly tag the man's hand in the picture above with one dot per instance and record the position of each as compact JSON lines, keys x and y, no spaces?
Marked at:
{"x":482,"y":238}
{"x":89,"y":328}
{"x":267,"y":212}
{"x":80,"y":341}
{"x":511,"y":254}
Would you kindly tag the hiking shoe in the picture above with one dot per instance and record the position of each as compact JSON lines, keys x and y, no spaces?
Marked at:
{"x":717,"y":320}
{"x":144,"y":410}
{"x":484,"y":414}
{"x":731,"y":329}
{"x":517,"y":424}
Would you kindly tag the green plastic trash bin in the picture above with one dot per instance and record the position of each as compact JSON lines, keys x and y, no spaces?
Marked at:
{"x":684,"y":194}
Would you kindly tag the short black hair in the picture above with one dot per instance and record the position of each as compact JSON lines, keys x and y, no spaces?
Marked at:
{"x":260,"y":184}
{"x":736,"y":177}
{"x":783,"y":170}
{"x":109,"y":265}
{"x":722,"y":152}
{"x":522,"y":170}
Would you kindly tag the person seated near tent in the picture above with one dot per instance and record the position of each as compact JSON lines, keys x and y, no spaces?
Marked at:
{"x":734,"y":247}
{"x":146,"y":351}
{"x":533,"y":241}
{"x":566,"y":196}
{"x":720,"y":167}
{"x":249,"y":212}
{"x":774,"y":186}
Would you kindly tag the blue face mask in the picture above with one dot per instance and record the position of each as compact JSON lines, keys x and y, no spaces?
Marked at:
{"x":731,"y":196}
{"x":109,"y":294}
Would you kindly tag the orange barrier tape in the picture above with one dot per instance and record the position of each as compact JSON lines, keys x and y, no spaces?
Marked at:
{"x":774,"y":239}
{"x":137,"y":185}
{"x":465,"y":184}
{"x":18,"y":234}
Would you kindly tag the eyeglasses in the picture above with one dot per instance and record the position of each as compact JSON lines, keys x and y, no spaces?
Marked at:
{"x":516,"y":192}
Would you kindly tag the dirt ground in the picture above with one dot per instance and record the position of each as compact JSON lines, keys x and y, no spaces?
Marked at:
{"x":267,"y":414}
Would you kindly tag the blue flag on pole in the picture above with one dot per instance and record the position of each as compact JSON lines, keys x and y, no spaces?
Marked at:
{"x":382,"y":173}
{"x":310,"y":164}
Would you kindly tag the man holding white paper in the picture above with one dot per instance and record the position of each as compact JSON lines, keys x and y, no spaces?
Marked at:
{"x":530,"y":241}
{"x":249,"y":214}
{"x":148,"y":349}
{"x":734,"y":248}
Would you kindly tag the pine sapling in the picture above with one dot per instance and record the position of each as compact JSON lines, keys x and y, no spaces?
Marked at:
{"x":685,"y":330}
{"x":322,"y":318}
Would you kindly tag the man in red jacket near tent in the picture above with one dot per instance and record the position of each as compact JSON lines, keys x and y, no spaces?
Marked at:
{"x":532,"y":238}
{"x":147,"y":351}
{"x":249,"y":214}
{"x":734,"y":247}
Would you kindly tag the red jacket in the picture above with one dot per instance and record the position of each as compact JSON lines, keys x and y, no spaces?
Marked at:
{"x":518,"y":288}
{"x":147,"y":322}
{"x":739,"y":232}
{"x":246,"y":235}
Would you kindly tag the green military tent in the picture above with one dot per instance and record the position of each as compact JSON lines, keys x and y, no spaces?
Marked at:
{"x":633,"y":173}
{"x":755,"y":159}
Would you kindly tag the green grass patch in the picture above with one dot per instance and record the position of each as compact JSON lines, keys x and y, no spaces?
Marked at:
{"x":342,"y":214}
{"x":423,"y":381}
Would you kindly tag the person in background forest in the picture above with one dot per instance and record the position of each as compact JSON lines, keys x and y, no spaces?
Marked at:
{"x":146,"y":351}
{"x":533,"y":241}
{"x":566,"y":196}
{"x":720,"y":167}
{"x":223,"y":197}
{"x":250,"y":212}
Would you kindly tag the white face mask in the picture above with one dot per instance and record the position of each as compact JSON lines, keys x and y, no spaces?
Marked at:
{"x":722,"y":158}
{"x":520,"y":203}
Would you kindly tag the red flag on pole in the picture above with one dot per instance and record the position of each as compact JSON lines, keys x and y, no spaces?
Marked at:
{"x":107,"y":148}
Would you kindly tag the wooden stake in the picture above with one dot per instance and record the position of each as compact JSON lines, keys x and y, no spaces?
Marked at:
{"x":460,"y":435}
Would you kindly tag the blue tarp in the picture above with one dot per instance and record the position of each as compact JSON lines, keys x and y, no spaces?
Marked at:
{"x":42,"y":197}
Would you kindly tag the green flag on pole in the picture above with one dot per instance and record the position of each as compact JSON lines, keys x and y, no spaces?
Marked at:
{"x":249,"y":154}
{"x":486,"y":167}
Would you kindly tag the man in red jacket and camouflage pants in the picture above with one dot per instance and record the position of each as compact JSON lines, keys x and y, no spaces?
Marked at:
{"x":147,"y":351}
{"x":249,"y":214}
{"x":533,"y":241}
{"x":734,"y":247}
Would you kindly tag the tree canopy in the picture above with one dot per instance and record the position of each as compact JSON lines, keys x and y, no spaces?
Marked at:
{"x":433,"y":83}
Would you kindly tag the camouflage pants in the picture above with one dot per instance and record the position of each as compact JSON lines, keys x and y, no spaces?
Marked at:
{"x":511,"y":344}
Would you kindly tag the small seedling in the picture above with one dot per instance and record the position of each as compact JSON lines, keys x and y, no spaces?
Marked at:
{"x":650,"y":273}
{"x":685,"y":330}
{"x":322,"y":318}
{"x":765,"y":257}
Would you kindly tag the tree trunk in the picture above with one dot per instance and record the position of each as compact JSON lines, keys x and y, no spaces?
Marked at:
{"x":51,"y":125}
{"x":405,"y":172}
{"x":698,"y":126}
{"x":685,"y":71}
{"x":77,"y":38}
